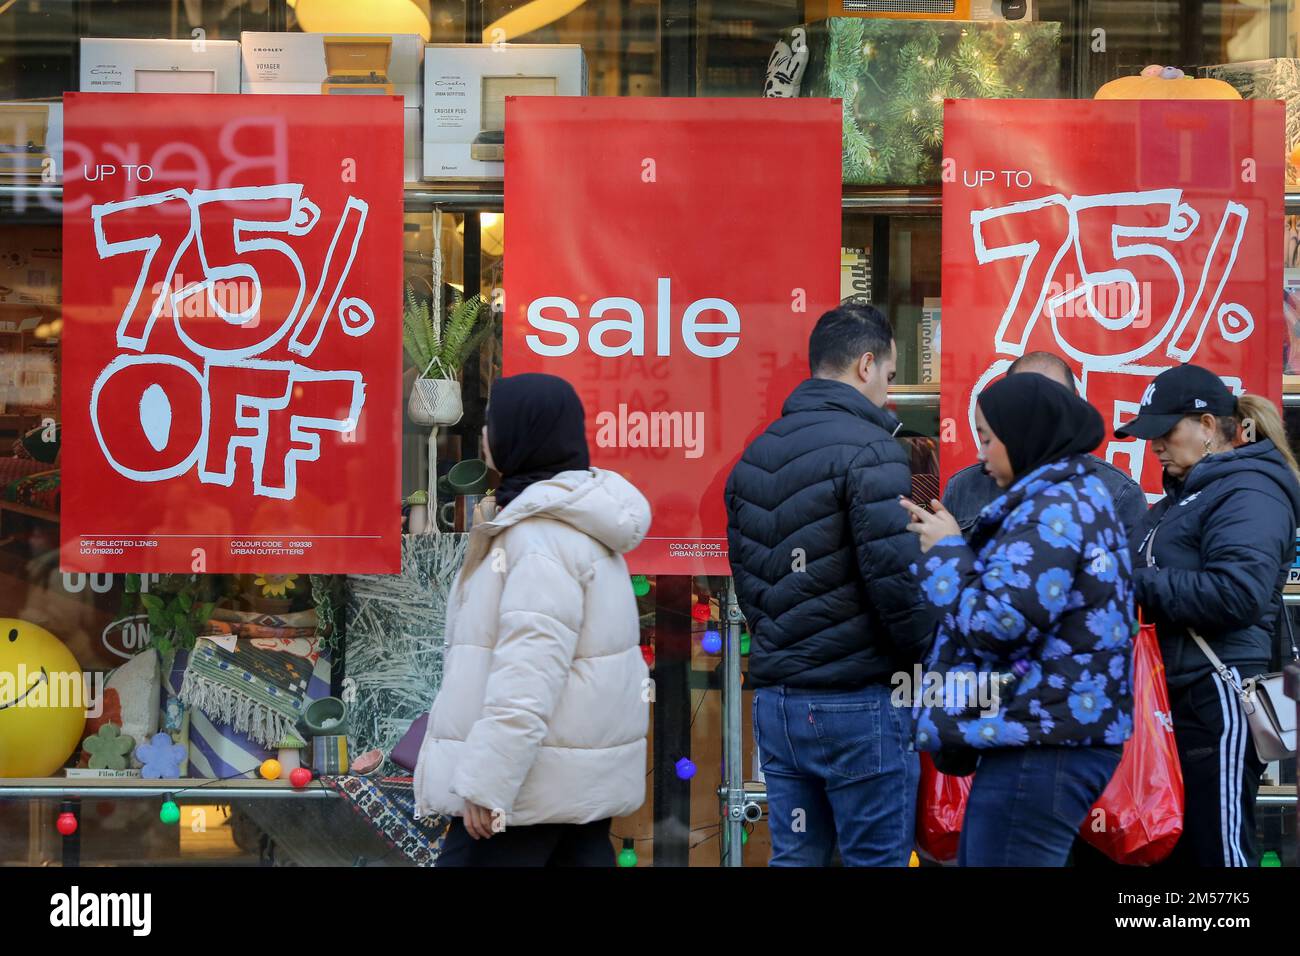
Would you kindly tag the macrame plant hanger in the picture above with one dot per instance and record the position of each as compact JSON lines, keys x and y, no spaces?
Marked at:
{"x":435,"y":308}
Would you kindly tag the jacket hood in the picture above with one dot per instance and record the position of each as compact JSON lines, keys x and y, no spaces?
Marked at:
{"x":597,"y":502}
{"x":1261,"y":456}
{"x":826,"y":394}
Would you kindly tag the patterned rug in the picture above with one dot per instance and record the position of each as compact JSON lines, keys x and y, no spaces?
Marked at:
{"x":388,"y":805}
{"x":260,"y":688}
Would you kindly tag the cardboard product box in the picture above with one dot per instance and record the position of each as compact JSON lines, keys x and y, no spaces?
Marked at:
{"x":357,"y":64}
{"x":342,"y":64}
{"x":1291,"y":317}
{"x":159,"y":66}
{"x":1293,"y":572}
{"x":1277,"y":79}
{"x":893,"y":76}
{"x":465,"y":87}
{"x":930,"y":348}
{"x":30,"y":134}
{"x":855,"y":274}
{"x":31,"y":265}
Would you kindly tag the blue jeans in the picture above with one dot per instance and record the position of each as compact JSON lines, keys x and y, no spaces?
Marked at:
{"x":839,"y":768}
{"x":1026,"y":803}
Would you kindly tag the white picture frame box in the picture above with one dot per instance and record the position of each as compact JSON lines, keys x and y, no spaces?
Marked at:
{"x":297,"y":63}
{"x":159,"y":66}
{"x":464,"y":89}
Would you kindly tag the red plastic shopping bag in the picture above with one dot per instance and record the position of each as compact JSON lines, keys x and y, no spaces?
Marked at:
{"x":1139,"y":817}
{"x":941,"y":804}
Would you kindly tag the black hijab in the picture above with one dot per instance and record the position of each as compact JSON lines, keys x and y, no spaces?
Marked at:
{"x":1039,"y":420}
{"x":536,"y":429}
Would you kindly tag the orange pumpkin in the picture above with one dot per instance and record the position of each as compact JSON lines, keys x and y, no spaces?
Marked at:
{"x":1166,"y":83}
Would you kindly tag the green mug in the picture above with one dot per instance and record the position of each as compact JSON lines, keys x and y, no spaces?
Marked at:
{"x":468,"y":477}
{"x":326,"y":711}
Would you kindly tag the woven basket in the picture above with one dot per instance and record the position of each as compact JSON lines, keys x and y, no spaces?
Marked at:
{"x":435,"y":401}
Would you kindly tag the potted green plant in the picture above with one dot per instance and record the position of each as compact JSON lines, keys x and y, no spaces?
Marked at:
{"x":177,"y":606}
{"x":438,"y":346}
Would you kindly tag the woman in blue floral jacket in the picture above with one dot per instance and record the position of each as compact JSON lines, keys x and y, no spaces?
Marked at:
{"x":1031,"y":665}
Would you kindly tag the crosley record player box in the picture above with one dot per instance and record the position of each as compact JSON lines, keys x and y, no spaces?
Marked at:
{"x":31,"y":142}
{"x":159,"y":66}
{"x":466,"y":86}
{"x":357,"y":65}
{"x":334,"y":63}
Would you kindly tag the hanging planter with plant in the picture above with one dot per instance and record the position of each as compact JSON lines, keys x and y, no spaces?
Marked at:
{"x":440,"y":347}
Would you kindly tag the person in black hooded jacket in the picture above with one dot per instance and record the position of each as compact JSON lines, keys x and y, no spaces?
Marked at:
{"x":1212,"y":557}
{"x":820,"y":553}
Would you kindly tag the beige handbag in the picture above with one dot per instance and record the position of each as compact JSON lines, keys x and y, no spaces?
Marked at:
{"x":1269,"y":713}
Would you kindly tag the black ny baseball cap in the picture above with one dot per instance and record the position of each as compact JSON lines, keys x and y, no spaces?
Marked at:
{"x":1174,"y":394}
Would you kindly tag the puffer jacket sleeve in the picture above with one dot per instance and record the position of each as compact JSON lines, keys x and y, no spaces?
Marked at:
{"x":540,"y":617}
{"x":1003,"y":601}
{"x":886,"y":550}
{"x":962,"y":498}
{"x":749,"y":589}
{"x":1131,"y":507}
{"x":1243,"y":540}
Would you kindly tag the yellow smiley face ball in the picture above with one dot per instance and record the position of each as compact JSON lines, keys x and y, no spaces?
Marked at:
{"x":42,"y":701}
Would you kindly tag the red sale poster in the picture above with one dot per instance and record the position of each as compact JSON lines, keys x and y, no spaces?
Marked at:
{"x":669,"y":257}
{"x":1124,"y":236}
{"x":232,"y":329}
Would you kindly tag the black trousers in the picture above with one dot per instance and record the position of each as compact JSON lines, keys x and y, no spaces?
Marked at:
{"x":543,"y":844}
{"x":1221,"y":773}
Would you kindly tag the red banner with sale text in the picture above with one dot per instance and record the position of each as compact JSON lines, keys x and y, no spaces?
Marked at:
{"x":232,"y":333}
{"x":669,"y":258}
{"x":1127,"y":237}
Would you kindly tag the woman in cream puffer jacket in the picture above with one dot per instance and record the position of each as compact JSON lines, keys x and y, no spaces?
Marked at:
{"x":543,"y":712}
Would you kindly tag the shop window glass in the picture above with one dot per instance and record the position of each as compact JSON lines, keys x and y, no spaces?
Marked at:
{"x":890,"y":255}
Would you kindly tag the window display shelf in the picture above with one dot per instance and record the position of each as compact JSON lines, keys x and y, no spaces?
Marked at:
{"x":1268,"y":796}
{"x":924,"y":396}
{"x":882,"y":202}
{"x":29,"y":192}
{"x":1276,"y":796}
{"x":460,"y":198}
{"x":455,"y":198}
{"x":191,"y":788}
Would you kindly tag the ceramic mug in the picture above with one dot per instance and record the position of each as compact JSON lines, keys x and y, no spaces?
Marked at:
{"x":327,"y":708}
{"x":468,"y":477}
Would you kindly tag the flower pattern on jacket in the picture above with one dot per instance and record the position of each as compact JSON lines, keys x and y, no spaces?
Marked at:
{"x":1038,"y":605}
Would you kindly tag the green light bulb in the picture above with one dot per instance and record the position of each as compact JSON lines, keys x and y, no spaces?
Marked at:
{"x":744,"y":643}
{"x":170,"y":813}
{"x":640,"y":585}
{"x":1271,"y":859}
{"x":626,"y":858}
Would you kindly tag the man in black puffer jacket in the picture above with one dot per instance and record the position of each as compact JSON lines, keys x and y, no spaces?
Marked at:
{"x":820,"y":553}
